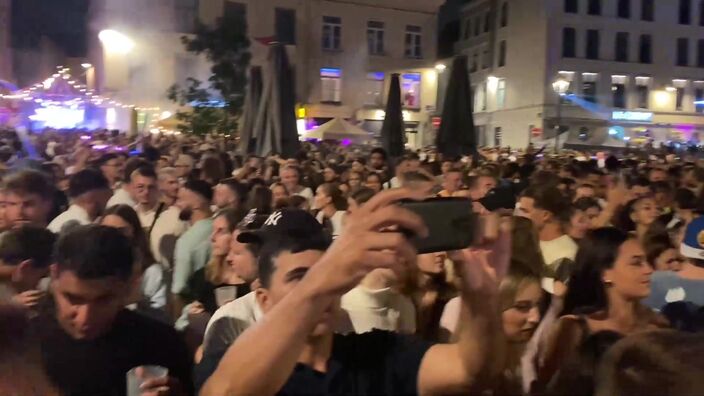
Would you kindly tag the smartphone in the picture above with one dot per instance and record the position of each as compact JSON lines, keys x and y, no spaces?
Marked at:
{"x":499,"y":198}
{"x":450,"y":221}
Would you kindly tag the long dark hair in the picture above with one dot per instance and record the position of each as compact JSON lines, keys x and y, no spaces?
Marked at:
{"x":139,"y":237}
{"x":333,"y":191}
{"x":260,"y":199}
{"x":213,"y":170}
{"x":597,"y":252}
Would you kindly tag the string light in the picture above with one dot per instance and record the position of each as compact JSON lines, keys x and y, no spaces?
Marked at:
{"x":88,"y":95}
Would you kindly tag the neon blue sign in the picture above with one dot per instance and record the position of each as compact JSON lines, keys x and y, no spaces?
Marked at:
{"x":639,"y":116}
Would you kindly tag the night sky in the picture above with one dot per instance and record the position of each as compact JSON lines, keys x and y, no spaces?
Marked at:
{"x":63,"y":22}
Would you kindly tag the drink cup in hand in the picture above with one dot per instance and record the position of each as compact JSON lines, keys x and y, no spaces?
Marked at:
{"x":138,"y":375}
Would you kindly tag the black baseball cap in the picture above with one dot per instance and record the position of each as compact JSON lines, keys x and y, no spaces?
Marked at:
{"x":291,"y":223}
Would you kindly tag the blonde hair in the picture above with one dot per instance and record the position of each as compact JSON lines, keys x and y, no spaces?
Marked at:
{"x":513,"y":284}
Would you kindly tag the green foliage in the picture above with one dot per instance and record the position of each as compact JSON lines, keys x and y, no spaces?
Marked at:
{"x":226,"y":47}
{"x":203,"y":118}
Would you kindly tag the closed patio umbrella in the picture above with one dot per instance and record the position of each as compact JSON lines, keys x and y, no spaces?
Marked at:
{"x":393,"y":130}
{"x":456,"y":136}
{"x":275,"y":127}
{"x":248,"y":140}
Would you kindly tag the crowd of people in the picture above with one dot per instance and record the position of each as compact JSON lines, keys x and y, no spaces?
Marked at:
{"x":243,"y":275}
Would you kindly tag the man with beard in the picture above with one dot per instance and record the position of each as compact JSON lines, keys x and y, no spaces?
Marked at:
{"x":193,"y":247}
{"x":89,"y":192}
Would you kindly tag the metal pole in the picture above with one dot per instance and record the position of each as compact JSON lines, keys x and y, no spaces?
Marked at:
{"x":559,"y":122}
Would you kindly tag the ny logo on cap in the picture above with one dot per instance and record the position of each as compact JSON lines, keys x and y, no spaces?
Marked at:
{"x":273,"y":220}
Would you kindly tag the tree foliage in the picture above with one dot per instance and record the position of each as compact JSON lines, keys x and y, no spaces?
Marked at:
{"x":226,"y":47}
{"x":205,"y":117}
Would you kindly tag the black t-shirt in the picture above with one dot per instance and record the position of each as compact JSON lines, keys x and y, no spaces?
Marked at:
{"x":100,"y":366}
{"x":200,"y":289}
{"x":375,"y":363}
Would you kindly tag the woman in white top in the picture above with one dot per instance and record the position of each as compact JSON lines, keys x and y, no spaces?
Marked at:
{"x":331,"y":206}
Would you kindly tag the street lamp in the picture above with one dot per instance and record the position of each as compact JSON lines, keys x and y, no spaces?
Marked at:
{"x":560,"y":86}
{"x":115,"y":42}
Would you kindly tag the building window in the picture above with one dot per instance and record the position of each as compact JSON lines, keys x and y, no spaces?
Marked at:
{"x":487,"y":22}
{"x":699,"y":99}
{"x":186,"y":14}
{"x":679,"y":103}
{"x":571,"y":6}
{"x":618,"y":91}
{"x":594,"y":7}
{"x":700,"y":53}
{"x":286,"y":26}
{"x":233,"y":10}
{"x":485,"y":96}
{"x":467,"y":29}
{"x":621,"y":47}
{"x":477,"y":26}
{"x":685,"y":15}
{"x":331,"y":83}
{"x":475,"y":63}
{"x":701,"y":13}
{"x":497,"y":136}
{"x":645,"y":49}
{"x":567,"y":76}
{"x":410,"y":90}
{"x":624,"y":9}
{"x":502,"y":53}
{"x":375,"y":37}
{"x":504,"y":15}
{"x":569,"y":42}
{"x":589,"y":86}
{"x":375,"y":89}
{"x":485,"y":59}
{"x":682,"y":51}
{"x":413,"y":42}
{"x":501,"y":94}
{"x":332,"y":33}
{"x":647,"y":10}
{"x":642,"y":91}
{"x":592,"y":44}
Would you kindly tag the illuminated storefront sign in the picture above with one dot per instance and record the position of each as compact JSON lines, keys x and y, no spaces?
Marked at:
{"x":632,"y":116}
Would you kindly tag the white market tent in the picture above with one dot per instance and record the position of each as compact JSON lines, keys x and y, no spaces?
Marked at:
{"x":339,"y":129}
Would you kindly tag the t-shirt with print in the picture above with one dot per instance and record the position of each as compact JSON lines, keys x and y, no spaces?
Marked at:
{"x":557,"y":249}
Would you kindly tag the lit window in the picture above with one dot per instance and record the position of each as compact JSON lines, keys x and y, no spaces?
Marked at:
{"x":410,"y":90}
{"x":331,"y":84}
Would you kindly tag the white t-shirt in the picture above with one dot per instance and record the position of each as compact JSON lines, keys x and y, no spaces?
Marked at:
{"x":121,"y":197}
{"x":558,"y":249}
{"x":229,"y":321}
{"x":306,"y":193}
{"x":167,"y":229}
{"x":382,"y":309}
{"x":74,"y":214}
{"x":337,"y":220}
